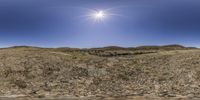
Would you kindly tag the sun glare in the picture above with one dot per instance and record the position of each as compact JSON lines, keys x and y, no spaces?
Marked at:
{"x":99,"y":15}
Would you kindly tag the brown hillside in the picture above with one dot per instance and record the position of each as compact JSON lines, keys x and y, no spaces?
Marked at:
{"x":39,"y":71}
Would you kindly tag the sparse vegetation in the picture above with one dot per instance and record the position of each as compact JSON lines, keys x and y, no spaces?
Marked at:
{"x":100,"y":71}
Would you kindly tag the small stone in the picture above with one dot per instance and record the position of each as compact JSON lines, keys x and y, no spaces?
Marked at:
{"x":171,"y":95}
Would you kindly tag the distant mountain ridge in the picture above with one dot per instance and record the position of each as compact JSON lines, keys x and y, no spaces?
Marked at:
{"x":175,"y":46}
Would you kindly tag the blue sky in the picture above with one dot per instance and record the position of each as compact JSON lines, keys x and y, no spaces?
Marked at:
{"x":64,"y":23}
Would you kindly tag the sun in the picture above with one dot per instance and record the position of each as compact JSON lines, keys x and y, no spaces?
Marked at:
{"x":99,"y":15}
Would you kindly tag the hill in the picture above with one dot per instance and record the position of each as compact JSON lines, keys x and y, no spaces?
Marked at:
{"x":153,"y":70}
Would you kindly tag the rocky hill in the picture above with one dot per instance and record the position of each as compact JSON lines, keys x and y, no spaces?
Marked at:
{"x":149,"y":70}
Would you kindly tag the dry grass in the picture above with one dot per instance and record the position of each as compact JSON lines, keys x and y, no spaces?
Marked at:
{"x":76,"y":72}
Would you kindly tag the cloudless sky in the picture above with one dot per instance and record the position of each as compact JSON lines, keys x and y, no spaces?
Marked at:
{"x":64,"y":23}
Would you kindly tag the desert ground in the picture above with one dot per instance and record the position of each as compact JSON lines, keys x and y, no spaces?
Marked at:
{"x":169,"y":72}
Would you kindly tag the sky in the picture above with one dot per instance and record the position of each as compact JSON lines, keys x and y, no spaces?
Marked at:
{"x":72,"y":23}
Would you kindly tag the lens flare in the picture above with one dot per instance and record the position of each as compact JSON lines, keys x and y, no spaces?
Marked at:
{"x":99,"y":15}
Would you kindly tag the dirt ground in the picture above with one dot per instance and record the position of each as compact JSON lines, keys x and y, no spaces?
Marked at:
{"x":166,"y":72}
{"x":99,"y":98}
